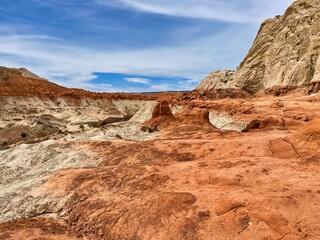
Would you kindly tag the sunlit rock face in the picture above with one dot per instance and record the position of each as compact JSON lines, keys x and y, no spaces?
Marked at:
{"x":285,"y":53}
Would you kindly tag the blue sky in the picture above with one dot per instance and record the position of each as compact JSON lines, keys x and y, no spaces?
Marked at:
{"x":130,"y":45}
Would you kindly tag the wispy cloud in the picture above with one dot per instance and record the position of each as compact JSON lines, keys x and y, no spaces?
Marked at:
{"x":232,"y":11}
{"x":56,"y":59}
{"x":74,"y":66}
{"x":138,"y":80}
{"x":53,"y":42}
{"x":162,"y":87}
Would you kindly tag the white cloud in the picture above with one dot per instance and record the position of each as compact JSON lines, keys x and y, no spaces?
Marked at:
{"x":73,"y":66}
{"x":244,"y":11}
{"x":138,"y":80}
{"x":180,"y":86}
{"x":161,"y":87}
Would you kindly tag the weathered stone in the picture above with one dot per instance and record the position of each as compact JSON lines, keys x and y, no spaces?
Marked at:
{"x":4,"y":72}
{"x":162,"y":109}
{"x":215,"y":80}
{"x":285,"y":53}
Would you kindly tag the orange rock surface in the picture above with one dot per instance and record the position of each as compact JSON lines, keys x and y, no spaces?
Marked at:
{"x":190,"y":181}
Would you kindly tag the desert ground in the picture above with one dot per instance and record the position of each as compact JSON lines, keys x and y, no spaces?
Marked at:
{"x":237,"y":158}
{"x":181,"y":168}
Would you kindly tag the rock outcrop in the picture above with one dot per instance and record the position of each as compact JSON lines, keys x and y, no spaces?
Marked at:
{"x":162,"y":109}
{"x":21,"y":82}
{"x":285,"y":53}
{"x":22,"y":72}
{"x":216,"y":80}
{"x":306,"y":141}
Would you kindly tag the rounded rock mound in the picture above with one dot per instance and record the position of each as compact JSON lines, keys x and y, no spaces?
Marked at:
{"x":306,"y":141}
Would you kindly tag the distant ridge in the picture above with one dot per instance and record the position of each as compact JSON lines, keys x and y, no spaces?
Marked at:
{"x":22,"y":72}
{"x":22,"y":82}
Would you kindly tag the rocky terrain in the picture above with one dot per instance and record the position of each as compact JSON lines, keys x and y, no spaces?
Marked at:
{"x":216,"y":163}
{"x":285,"y":54}
{"x":190,"y":167}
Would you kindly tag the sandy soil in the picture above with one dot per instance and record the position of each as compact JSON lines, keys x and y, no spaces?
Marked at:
{"x":185,"y":179}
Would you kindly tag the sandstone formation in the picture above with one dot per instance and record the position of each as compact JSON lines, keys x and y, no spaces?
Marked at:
{"x":285,"y":54}
{"x":218,"y":164}
{"x":22,"y":72}
{"x":162,"y":109}
{"x":21,"y":82}
{"x":80,"y":165}
{"x":306,"y":141}
{"x":216,"y":80}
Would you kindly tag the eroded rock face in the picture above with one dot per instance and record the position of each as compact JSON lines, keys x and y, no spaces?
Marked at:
{"x":306,"y":141}
{"x":162,"y":109}
{"x":284,"y":53}
{"x":216,"y":80}
{"x":25,"y":167}
{"x":189,"y":180}
{"x":22,"y":72}
{"x":36,"y":119}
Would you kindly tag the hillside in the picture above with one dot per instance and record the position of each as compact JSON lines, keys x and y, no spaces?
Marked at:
{"x":285,"y":54}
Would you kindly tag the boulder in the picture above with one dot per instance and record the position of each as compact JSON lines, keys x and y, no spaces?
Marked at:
{"x":215,"y":80}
